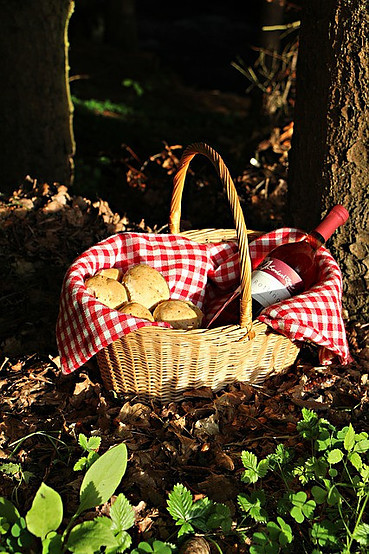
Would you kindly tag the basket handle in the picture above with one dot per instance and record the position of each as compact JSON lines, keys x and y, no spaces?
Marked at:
{"x":239,"y":220}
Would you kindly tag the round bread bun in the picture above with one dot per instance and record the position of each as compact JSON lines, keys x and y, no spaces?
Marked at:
{"x":112,"y":273}
{"x":145,"y":285}
{"x":181,"y":314}
{"x":137,"y":310}
{"x":108,"y":291}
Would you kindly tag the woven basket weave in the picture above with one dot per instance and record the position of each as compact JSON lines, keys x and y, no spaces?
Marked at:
{"x":160,"y":363}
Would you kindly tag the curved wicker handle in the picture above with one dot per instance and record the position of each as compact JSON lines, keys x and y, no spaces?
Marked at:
{"x":241,"y":230}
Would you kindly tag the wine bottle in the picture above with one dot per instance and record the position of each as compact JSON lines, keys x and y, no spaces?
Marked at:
{"x":291,"y":268}
{"x":288,"y":269}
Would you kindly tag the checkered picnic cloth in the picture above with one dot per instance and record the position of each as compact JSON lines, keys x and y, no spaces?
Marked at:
{"x":85,"y":325}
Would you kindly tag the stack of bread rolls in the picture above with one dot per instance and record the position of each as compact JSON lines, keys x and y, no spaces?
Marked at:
{"x":143,"y":292}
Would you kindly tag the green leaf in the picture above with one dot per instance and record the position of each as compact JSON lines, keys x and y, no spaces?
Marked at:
{"x":262,"y":468}
{"x":201,"y":508}
{"x":253,"y":505}
{"x":4,"y":525}
{"x":324,"y":533}
{"x":157,"y":547}
{"x":80,"y":464}
{"x":94,"y":443}
{"x":179,"y":503}
{"x":124,"y":541}
{"x":11,"y":469}
{"x":334,"y":456}
{"x":308,"y":508}
{"x":221,"y":518}
{"x":362,"y":446}
{"x":185,"y":529}
{"x":46,"y":512}
{"x":286,"y":535}
{"x":8,"y":510}
{"x":52,"y":543}
{"x":319,"y":494}
{"x":250,"y":463}
{"x":361,"y":534}
{"x":324,"y":441}
{"x":333,"y":496}
{"x":83,"y":441}
{"x":142,"y":547}
{"x":349,"y":441}
{"x":122,"y":513}
{"x":89,"y":536}
{"x":103,"y":477}
{"x":297,"y":514}
{"x":355,"y":459}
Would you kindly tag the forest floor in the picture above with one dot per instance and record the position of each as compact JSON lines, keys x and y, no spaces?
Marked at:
{"x":125,"y":185}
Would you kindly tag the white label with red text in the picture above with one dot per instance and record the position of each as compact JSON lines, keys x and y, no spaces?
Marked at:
{"x":274,"y":281}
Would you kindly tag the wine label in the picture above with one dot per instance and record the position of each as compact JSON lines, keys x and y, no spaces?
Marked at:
{"x":274,"y":281}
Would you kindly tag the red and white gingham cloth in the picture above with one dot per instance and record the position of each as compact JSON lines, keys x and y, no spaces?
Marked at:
{"x":85,"y":326}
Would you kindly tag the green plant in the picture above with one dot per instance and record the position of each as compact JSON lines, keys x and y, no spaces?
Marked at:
{"x":90,"y":446}
{"x":204,"y":515}
{"x":43,"y":520}
{"x":324,"y":495}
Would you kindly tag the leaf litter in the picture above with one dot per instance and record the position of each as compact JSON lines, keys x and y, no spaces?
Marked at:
{"x":196,"y":442}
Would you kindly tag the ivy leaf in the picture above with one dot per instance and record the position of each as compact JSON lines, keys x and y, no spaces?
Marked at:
{"x":334,"y":456}
{"x":180,"y":502}
{"x":122,"y":513}
{"x":349,"y":440}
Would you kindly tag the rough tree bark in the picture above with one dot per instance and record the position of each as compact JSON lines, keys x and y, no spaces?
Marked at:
{"x":329,"y":155}
{"x":36,"y":118}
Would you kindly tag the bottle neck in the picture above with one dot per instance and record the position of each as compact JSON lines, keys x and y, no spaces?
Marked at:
{"x":335,"y":217}
{"x":315,"y":240}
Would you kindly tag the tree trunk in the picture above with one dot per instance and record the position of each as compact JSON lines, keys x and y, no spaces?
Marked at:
{"x":329,"y":154}
{"x":36,"y":118}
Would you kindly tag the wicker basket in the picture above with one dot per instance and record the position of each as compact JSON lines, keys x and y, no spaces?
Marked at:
{"x":160,"y":363}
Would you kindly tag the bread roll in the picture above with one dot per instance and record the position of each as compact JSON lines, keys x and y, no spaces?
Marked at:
{"x":108,"y":291}
{"x":145,"y":285}
{"x":137,"y":310}
{"x":112,"y":273}
{"x":180,"y":314}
